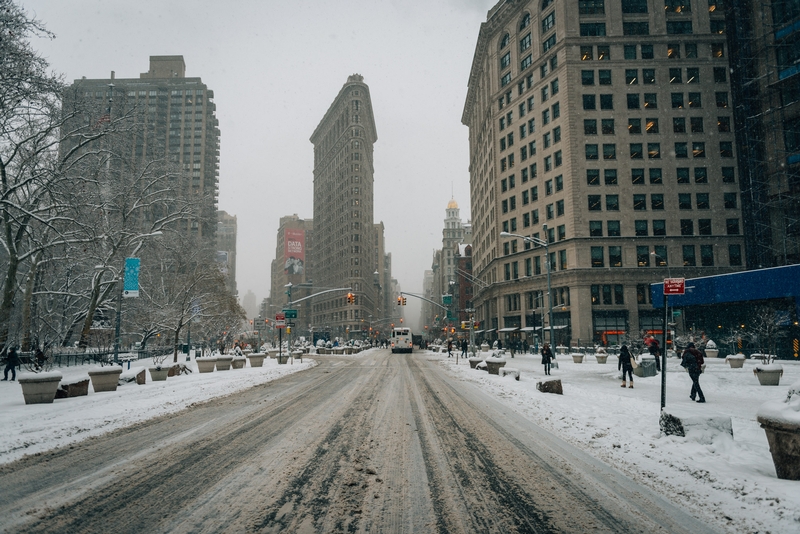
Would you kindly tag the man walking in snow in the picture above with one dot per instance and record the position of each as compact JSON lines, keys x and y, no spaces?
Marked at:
{"x":692,"y":361}
{"x":12,"y":362}
{"x":464,"y":347}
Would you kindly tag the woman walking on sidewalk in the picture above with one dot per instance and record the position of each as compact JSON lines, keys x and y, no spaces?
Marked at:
{"x":625,"y":364}
{"x":547,"y":357}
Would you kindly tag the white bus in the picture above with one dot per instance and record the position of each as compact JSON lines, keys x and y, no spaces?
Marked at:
{"x":401,"y":340}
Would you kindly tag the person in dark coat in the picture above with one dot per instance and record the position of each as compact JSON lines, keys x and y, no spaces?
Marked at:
{"x":655,"y":350}
{"x":624,"y":364}
{"x":692,"y":361}
{"x":12,"y":362}
{"x":464,"y":347}
{"x":449,"y":348}
{"x":547,"y":357}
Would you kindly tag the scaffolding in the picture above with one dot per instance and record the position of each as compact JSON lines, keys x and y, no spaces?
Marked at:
{"x":764,"y":45}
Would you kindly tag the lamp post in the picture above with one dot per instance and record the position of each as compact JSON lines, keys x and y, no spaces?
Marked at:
{"x":541,"y":243}
{"x":664,"y":339}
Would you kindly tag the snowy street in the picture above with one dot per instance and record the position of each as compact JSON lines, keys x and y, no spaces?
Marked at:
{"x":381,"y":442}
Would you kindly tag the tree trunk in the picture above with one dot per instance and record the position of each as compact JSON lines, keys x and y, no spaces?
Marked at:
{"x":175,"y":341}
{"x":26,"y":304}
{"x":9,"y":288}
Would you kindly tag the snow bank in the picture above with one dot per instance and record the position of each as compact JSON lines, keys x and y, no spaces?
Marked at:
{"x":783,"y":412}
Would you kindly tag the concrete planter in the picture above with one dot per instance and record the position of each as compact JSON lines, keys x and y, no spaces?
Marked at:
{"x":74,"y":389}
{"x":282,"y":358}
{"x":206,"y":365}
{"x":40,"y":388}
{"x":256,"y":360}
{"x":493,"y":365}
{"x":473,"y":362}
{"x":601,"y":358}
{"x":238,"y":362}
{"x":712,"y":353}
{"x":224,"y":363}
{"x":577,"y":357}
{"x":784,"y":445}
{"x":736,"y":361}
{"x":768,"y":377}
{"x":159,"y":374}
{"x":105,"y":378}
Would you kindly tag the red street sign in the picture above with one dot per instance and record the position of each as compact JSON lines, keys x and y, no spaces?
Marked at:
{"x":280,"y":323}
{"x":280,"y":317}
{"x":674,"y":286}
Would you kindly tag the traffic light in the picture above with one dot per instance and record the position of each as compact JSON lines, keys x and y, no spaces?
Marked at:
{"x":288,"y":329}
{"x":404,"y":301}
{"x":399,"y":301}
{"x":251,"y":322}
{"x":463,"y":325}
{"x":475,"y":325}
{"x":351,"y":299}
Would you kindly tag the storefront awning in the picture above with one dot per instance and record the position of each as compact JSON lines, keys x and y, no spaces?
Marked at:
{"x":512,"y":329}
{"x":478,"y":331}
{"x":491,"y":330}
{"x":528,"y":329}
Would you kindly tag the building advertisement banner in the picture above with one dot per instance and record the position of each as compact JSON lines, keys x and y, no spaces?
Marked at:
{"x":131,"y":279}
{"x":294,"y":251}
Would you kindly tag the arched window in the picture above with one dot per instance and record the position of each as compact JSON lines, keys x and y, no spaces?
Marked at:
{"x":546,"y":4}
{"x":525,"y":22}
{"x":504,"y":41}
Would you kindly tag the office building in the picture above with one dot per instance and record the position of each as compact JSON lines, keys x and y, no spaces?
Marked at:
{"x":606,"y":129}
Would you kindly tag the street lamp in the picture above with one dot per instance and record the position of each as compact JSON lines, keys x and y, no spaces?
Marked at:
{"x":664,"y":337}
{"x":541,"y":243}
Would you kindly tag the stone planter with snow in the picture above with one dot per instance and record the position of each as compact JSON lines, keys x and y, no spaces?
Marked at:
{"x":601,"y":358}
{"x":282,"y":358}
{"x":484,"y":347}
{"x":736,"y":361}
{"x":105,"y":378}
{"x":256,"y":360}
{"x":561,"y":349}
{"x":238,"y":362}
{"x":75,"y":388}
{"x":224,"y":363}
{"x":158,"y":373}
{"x":769,"y":375}
{"x":509,"y":371}
{"x":780,"y":420}
{"x":577,"y":357}
{"x":206,"y":364}
{"x":474,"y":361}
{"x":493,"y":365}
{"x":40,"y":388}
{"x":711,"y":350}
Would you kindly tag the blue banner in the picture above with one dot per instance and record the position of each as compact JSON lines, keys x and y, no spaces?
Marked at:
{"x":131,"y":286}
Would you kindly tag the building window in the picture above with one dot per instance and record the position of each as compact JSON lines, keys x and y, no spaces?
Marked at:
{"x":592,"y":29}
{"x":610,"y":176}
{"x":640,"y":228}
{"x":632,"y":76}
{"x":634,"y":126}
{"x":728,"y":175}
{"x":679,"y":27}
{"x":696,"y":124}
{"x":726,"y":149}
{"x":656,"y":203}
{"x":587,"y":53}
{"x":643,"y":256}
{"x":637,"y":176}
{"x":692,"y":75}
{"x":698,"y":149}
{"x":609,"y":151}
{"x":591,"y":7}
{"x":559,"y":208}
{"x":612,"y":202}
{"x":587,"y":77}
{"x":677,"y":100}
{"x":659,"y":228}
{"x":700,"y":175}
{"x":593,"y":176}
{"x":635,"y":28}
{"x":723,"y":124}
{"x":707,"y":255}
{"x":682,"y":174}
{"x":681,"y":150}
{"x":591,"y":152}
{"x":505,"y":60}
{"x":549,"y":43}
{"x":598,"y":259}
{"x":604,"y":77}
{"x":634,"y":6}
{"x":730,"y":200}
{"x":655,"y":175}
{"x":607,"y":102}
{"x":679,"y":125}
{"x":640,"y":202}
{"x":633,"y":100}
{"x":734,"y":255}
{"x":720,"y":75}
{"x":636,"y":150}
{"x":732,"y":226}
{"x":648,"y":76}
{"x":651,"y":125}
{"x":613,"y":228}
{"x":596,"y":228}
{"x":615,"y":256}
{"x":607,"y":126}
{"x":689,"y":259}
{"x":704,"y":226}
{"x":654,"y":150}
{"x":594,"y":203}
{"x":695,"y":100}
{"x":650,"y":100}
{"x":687,"y":227}
{"x":684,"y":201}
{"x":629,"y":52}
{"x":675,"y":76}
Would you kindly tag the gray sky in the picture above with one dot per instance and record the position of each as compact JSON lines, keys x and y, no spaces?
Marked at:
{"x":275,"y":67}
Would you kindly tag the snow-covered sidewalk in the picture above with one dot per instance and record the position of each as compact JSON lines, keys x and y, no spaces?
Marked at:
{"x":28,"y":429}
{"x":732,"y":481}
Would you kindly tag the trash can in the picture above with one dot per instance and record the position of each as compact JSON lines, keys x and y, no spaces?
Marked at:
{"x":647,"y":367}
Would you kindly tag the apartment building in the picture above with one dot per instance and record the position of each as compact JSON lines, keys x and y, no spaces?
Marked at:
{"x":606,"y":129}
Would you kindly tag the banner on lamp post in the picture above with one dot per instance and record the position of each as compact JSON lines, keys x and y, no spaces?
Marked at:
{"x":130,"y":286}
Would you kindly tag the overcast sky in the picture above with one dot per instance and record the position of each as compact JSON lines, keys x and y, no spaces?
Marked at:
{"x":275,"y":67}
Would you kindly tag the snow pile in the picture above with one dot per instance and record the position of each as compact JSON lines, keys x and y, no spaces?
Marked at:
{"x":783,"y":412}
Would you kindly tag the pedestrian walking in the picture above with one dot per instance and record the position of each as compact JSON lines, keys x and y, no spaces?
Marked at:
{"x":654,"y":349}
{"x":547,"y":357}
{"x":449,"y":348}
{"x":692,"y":361}
{"x":12,"y":362}
{"x":624,"y":364}
{"x":499,"y":344}
{"x":464,"y":347}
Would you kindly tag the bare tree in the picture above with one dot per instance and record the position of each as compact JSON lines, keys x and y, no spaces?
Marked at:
{"x":764,"y":332}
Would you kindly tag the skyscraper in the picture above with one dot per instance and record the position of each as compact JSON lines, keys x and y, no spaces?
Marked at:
{"x":344,"y":254}
{"x":608,"y":132}
{"x":179,"y":123}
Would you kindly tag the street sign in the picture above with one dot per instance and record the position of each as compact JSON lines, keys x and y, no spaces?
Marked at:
{"x":280,"y":317}
{"x":290,"y":314}
{"x":280,"y":323}
{"x":290,"y":324}
{"x":674,"y":286}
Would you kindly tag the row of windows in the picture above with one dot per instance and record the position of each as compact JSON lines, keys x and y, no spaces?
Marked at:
{"x":659,"y":254}
{"x":647,"y":51}
{"x":648,"y":76}
{"x":636,"y":150}
{"x":674,"y":27}
{"x":651,"y":125}
{"x":633,"y":7}
{"x":659,"y":227}
{"x":692,"y":99}
{"x":730,"y":201}
{"x":655,"y":174}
